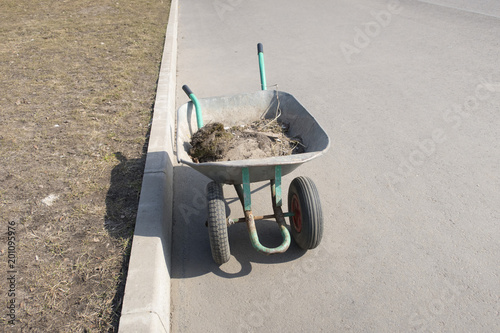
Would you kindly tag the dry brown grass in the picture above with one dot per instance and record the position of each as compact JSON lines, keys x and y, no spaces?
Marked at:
{"x":77,"y":83}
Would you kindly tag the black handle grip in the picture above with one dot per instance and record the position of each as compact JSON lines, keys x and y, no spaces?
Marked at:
{"x":187,"y":90}
{"x":260,"y":48}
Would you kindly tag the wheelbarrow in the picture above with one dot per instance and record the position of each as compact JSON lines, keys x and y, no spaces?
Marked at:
{"x":304,"y":207}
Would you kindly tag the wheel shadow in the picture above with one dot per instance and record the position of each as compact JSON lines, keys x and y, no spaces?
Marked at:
{"x":191,"y":254}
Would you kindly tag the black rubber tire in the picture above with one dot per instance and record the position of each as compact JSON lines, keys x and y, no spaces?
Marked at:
{"x":307,"y":224}
{"x":217,"y":226}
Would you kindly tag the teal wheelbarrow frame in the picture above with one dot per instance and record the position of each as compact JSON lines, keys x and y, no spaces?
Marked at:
{"x":304,"y":207}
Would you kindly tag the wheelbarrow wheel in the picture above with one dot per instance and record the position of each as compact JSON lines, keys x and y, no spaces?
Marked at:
{"x":307,"y":223}
{"x":217,"y":226}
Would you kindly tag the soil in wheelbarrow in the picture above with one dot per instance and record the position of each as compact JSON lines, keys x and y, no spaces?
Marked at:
{"x":260,"y":139}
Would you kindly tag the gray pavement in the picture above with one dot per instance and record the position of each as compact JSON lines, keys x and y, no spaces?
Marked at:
{"x":409,"y":94}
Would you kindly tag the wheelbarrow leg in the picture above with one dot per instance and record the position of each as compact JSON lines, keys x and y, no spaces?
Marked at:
{"x":245,"y":197}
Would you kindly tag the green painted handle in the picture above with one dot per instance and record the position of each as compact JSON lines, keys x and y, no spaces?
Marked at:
{"x":260,"y":52}
{"x":199,"y":118}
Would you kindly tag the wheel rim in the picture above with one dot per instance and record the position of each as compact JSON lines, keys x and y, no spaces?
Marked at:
{"x":297,"y":214}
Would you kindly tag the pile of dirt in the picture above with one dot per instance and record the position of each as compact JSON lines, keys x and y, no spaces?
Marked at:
{"x":260,"y":139}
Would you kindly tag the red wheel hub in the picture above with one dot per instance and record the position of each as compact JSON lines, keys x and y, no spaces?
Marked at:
{"x":297,"y":217}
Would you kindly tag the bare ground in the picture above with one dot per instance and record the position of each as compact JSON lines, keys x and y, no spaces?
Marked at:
{"x":77,"y":85}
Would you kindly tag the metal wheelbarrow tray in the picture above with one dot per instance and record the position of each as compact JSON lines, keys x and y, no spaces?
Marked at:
{"x":243,"y":109}
{"x":306,"y":219}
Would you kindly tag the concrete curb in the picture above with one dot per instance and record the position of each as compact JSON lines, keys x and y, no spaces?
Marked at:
{"x":146,"y":303}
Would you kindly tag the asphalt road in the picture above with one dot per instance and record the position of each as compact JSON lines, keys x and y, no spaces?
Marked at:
{"x":409,"y":94}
